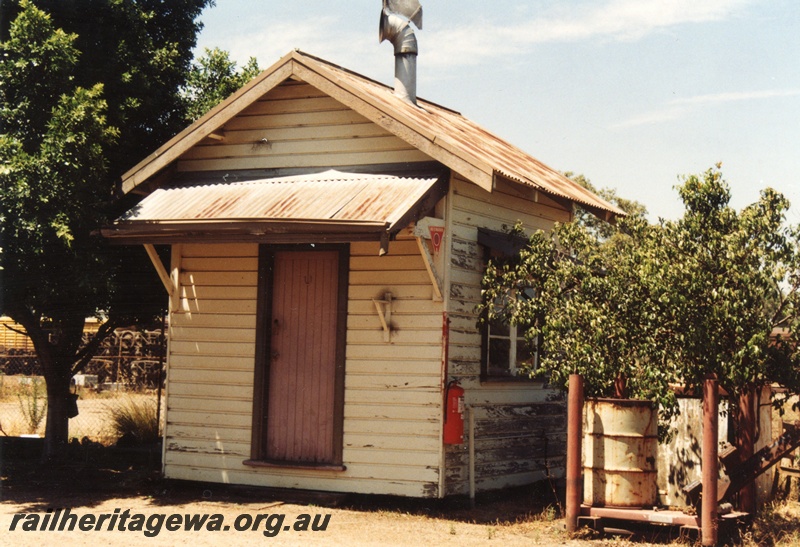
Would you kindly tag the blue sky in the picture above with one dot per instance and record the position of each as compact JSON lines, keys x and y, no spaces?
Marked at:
{"x":631,"y":93}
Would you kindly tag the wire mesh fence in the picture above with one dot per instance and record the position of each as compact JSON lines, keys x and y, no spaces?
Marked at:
{"x":118,"y":392}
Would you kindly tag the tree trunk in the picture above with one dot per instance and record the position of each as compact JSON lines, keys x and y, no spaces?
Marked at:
{"x":58,"y":402}
{"x":60,"y":355}
{"x":621,"y":386}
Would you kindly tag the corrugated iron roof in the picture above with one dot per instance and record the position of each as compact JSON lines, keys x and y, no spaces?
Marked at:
{"x":473,"y":143}
{"x":443,"y":134}
{"x":331,"y":200}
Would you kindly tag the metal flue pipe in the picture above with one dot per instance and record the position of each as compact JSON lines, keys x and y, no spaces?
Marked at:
{"x":398,"y":30}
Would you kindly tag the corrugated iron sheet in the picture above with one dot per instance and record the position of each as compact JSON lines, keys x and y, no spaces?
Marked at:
{"x":329,"y":196}
{"x":473,"y":142}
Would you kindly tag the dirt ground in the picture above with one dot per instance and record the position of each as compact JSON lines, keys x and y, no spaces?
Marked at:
{"x":99,"y":481}
{"x":95,"y":483}
{"x":345,"y":527}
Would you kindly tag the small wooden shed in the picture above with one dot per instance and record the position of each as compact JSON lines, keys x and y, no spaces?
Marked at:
{"x":327,"y":240}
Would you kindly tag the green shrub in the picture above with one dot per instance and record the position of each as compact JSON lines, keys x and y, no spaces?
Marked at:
{"x":32,"y":403}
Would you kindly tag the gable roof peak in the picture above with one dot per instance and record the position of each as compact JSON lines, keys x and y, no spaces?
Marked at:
{"x":442,"y":134}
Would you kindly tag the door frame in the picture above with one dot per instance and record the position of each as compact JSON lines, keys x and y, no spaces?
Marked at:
{"x":266,"y":267}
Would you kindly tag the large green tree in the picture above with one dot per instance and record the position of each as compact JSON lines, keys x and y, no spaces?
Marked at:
{"x":732,"y":281}
{"x":598,"y":227}
{"x":637,"y":307}
{"x":87,"y":88}
{"x":140,"y":50}
{"x":584,"y":301}
{"x":212,"y":78}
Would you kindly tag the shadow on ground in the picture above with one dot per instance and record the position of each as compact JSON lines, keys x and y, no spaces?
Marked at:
{"x":90,"y":474}
{"x":94,"y":473}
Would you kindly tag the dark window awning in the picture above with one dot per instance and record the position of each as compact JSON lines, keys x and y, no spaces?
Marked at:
{"x":332,"y":206}
{"x":501,"y":242}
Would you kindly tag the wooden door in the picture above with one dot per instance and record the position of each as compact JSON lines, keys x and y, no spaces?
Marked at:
{"x":301,"y":396}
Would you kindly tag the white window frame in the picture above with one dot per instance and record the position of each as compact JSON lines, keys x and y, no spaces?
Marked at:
{"x":514,"y":337}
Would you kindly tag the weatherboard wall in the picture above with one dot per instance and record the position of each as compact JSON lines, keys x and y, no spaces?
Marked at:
{"x":392,"y":410}
{"x":392,"y":407}
{"x":393,"y":390}
{"x":520,"y":426}
{"x":297,"y":126}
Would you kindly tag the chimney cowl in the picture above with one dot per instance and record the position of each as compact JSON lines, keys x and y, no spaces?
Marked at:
{"x":399,"y":32}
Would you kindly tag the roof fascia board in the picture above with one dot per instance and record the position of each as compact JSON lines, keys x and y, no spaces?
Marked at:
{"x":206,"y":125}
{"x":172,"y":238}
{"x":396,"y":124}
{"x":246,"y":223}
{"x":604,"y":213}
{"x":425,"y":202}
{"x":456,"y":149}
{"x":286,"y":230}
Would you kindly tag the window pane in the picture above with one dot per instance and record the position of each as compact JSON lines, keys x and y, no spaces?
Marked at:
{"x":498,"y":357}
{"x":498,"y":328}
{"x":526,"y":356}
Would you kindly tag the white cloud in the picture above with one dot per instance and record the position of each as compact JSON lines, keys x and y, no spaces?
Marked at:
{"x":736,"y":96}
{"x":322,"y":36}
{"x":463,"y":41}
{"x":620,"y":20}
{"x":678,"y":108}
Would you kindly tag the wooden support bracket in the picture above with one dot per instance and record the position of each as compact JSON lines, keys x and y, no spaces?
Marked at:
{"x":422,"y":232}
{"x":176,"y":257}
{"x":162,"y":271}
{"x":428,"y":259}
{"x":384,"y":309}
{"x":384,"y":247}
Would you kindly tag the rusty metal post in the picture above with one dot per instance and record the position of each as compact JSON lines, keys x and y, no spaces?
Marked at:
{"x":710,"y":465}
{"x":745,"y":444}
{"x":574,"y":432}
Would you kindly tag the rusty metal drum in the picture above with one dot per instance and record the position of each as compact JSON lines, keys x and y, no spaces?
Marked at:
{"x":619,"y":453}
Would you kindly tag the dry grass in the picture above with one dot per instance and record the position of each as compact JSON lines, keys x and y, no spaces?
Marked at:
{"x":24,"y":405}
{"x":96,"y":409}
{"x":134,"y":419}
{"x":777,"y":525}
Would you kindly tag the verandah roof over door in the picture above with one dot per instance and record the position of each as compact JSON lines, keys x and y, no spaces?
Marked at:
{"x":329,"y":206}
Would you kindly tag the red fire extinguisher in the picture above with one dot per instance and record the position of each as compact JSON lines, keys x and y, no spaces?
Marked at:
{"x":454,"y":414}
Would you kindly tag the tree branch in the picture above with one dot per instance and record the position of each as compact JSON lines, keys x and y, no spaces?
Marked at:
{"x":86,"y":354}
{"x":12,"y":329}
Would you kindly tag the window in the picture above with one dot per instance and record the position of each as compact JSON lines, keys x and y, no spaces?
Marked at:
{"x":504,"y":351}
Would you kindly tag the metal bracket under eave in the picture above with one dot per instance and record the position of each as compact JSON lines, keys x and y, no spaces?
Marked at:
{"x":162,"y":271}
{"x":384,"y":309}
